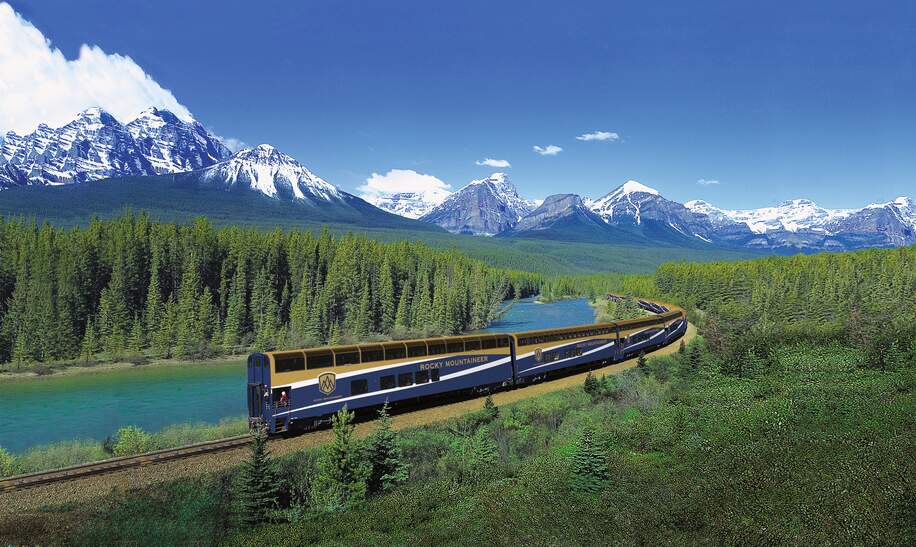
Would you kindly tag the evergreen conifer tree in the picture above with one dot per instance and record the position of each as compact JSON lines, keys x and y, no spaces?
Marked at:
{"x":589,"y":464}
{"x":695,"y":357}
{"x":258,"y":485}
{"x":342,"y":468}
{"x":385,"y":456}
{"x":591,"y":384}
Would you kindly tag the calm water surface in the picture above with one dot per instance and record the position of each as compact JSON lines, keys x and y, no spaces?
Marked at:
{"x":93,"y":406}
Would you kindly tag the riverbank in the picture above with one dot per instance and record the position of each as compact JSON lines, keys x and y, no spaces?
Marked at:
{"x":70,"y":368}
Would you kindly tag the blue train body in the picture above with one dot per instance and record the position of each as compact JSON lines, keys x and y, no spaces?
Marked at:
{"x":309,"y":402}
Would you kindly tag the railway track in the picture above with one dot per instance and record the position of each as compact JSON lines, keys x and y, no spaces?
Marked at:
{"x":20,"y":482}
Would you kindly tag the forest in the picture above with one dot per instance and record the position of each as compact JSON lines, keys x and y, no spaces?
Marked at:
{"x":132,"y":285}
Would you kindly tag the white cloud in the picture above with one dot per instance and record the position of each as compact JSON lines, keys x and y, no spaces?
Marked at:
{"x":403,"y":180}
{"x":707,"y":182}
{"x":493,"y":163}
{"x":233,"y":144}
{"x":549,"y":150}
{"x":39,"y":85}
{"x":599,"y":136}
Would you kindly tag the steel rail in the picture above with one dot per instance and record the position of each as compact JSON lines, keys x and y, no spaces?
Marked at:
{"x":29,"y":480}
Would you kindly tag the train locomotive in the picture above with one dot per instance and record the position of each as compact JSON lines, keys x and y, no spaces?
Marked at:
{"x":302,"y":389}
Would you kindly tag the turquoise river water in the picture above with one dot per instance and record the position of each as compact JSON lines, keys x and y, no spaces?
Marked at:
{"x":94,"y":405}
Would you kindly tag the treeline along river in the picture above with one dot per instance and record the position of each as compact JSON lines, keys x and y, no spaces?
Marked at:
{"x":93,"y":406}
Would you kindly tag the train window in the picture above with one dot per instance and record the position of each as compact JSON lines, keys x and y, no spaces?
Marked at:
{"x":422,"y":377}
{"x":358,"y":387}
{"x":387,"y":382}
{"x":405,"y":379}
{"x":346,"y":358}
{"x":488,"y":343}
{"x":416,"y":350}
{"x":373,"y":354}
{"x":436,"y":348}
{"x":471,"y":345}
{"x":395,"y":352}
{"x":455,"y":346}
{"x":289,"y":363}
{"x":319,"y":360}
{"x":502,"y":342}
{"x":434,"y":375}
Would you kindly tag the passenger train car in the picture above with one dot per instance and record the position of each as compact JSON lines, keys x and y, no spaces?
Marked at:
{"x":302,"y":389}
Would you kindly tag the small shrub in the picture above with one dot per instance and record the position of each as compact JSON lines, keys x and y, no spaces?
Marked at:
{"x":7,"y":463}
{"x":131,"y":440}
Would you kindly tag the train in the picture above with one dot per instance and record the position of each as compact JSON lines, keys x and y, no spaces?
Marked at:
{"x":300,"y":390}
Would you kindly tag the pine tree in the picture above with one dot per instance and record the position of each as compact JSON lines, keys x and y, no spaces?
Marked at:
{"x":236,"y":309}
{"x":589,"y":464}
{"x":591,"y":384}
{"x":385,"y":456}
{"x":695,"y":357}
{"x":135,"y":340}
{"x":114,"y":314}
{"x":641,"y":361}
{"x":258,"y":485}
{"x":342,"y":468}
{"x":386,"y":297}
{"x":481,"y":456}
{"x":90,"y":345}
{"x":490,"y":410}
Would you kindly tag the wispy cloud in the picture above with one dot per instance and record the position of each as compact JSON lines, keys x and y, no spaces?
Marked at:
{"x":549,"y":150}
{"x":40,"y":85}
{"x":707,"y":182}
{"x":599,"y":136}
{"x":493,"y":163}
{"x":233,"y":144}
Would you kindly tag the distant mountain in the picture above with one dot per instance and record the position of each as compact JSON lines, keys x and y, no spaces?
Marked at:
{"x":266,"y":170}
{"x":260,"y":186}
{"x":565,"y":217}
{"x":802,"y":225}
{"x":96,"y":146}
{"x":409,"y":204}
{"x":643,"y":210}
{"x":483,"y":207}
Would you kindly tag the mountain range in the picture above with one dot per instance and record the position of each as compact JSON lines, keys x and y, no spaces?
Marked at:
{"x":636,"y":213}
{"x":157,"y":160}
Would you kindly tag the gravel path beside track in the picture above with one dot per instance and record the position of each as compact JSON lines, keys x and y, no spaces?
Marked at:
{"x":21,"y":503}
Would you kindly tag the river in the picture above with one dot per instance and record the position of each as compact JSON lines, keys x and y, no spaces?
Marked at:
{"x":94,"y":405}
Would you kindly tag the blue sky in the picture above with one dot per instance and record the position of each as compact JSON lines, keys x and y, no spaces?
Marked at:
{"x":773,"y":100}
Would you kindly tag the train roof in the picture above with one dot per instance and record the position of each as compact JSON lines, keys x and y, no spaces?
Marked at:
{"x":340,"y":348}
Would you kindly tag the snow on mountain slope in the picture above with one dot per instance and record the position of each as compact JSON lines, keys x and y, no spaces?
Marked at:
{"x":95,"y":146}
{"x":172,"y":145}
{"x":626,"y":199}
{"x":409,"y":204}
{"x":483,"y":207}
{"x":791,"y":216}
{"x":272,"y":173}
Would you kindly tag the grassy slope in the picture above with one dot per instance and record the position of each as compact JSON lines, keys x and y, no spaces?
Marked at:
{"x":167,"y":200}
{"x":811,"y":449}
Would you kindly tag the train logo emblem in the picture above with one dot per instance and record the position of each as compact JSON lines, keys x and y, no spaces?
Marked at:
{"x":327,"y":382}
{"x":538,"y":355}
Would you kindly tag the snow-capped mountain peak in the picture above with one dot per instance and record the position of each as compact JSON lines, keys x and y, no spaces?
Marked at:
{"x":95,"y":146}
{"x":486,"y":206}
{"x":791,"y":215}
{"x":273,"y":173}
{"x":626,"y":199}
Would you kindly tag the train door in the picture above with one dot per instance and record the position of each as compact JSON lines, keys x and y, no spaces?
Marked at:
{"x":258,"y":385}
